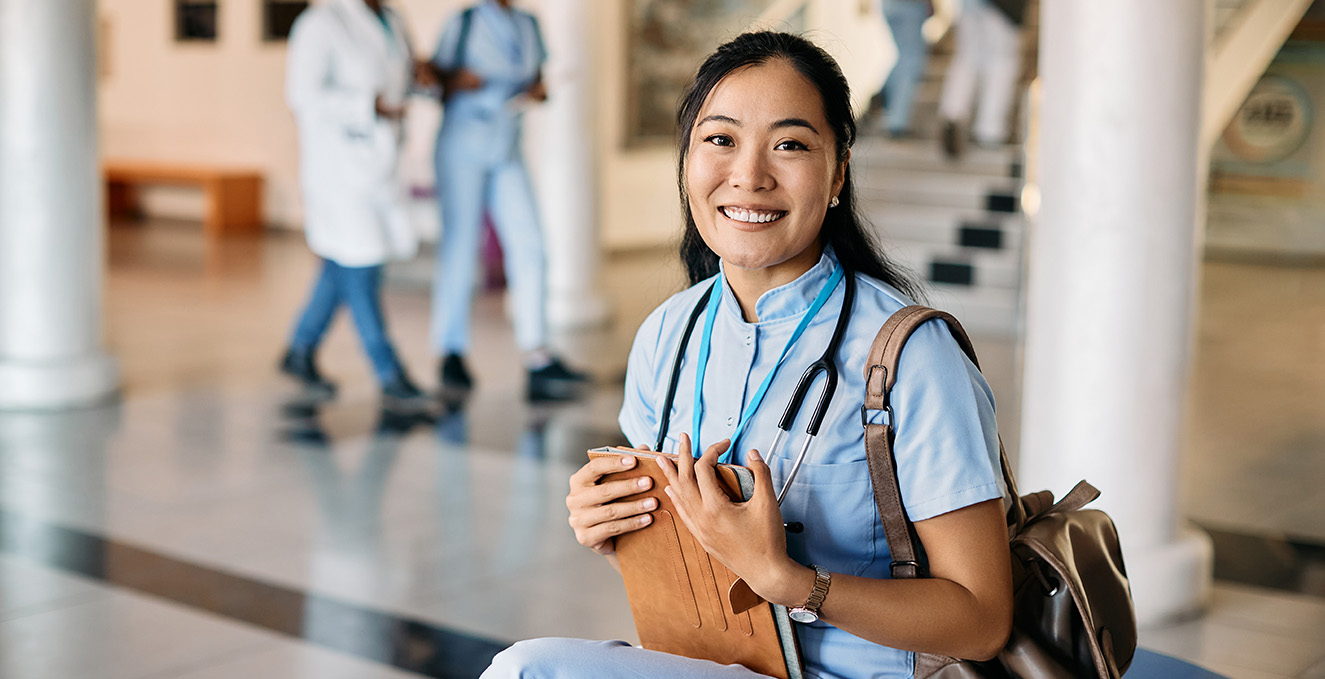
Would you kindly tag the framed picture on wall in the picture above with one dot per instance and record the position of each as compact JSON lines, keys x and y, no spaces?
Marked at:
{"x":278,"y":17}
{"x":195,"y":21}
{"x":666,"y":41}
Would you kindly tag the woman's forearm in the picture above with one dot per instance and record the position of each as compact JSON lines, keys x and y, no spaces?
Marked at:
{"x":963,"y":610}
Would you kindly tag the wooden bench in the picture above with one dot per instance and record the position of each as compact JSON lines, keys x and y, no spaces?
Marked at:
{"x":234,"y":195}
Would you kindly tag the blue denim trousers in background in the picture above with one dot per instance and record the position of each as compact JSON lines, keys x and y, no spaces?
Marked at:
{"x":905,"y":18}
{"x":360,"y":289}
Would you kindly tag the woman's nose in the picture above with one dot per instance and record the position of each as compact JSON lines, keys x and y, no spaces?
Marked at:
{"x":751,"y":171}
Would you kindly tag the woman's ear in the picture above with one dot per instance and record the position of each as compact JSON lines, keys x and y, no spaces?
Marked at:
{"x":840,"y":174}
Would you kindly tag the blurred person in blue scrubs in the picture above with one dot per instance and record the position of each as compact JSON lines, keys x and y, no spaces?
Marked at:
{"x":489,"y":60}
{"x":348,"y":70}
{"x":905,"y":19}
{"x":772,"y":230}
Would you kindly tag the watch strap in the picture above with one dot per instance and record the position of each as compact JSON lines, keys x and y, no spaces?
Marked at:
{"x":822,"y":580}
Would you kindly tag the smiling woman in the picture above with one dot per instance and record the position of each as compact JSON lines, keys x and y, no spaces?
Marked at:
{"x":771,"y":237}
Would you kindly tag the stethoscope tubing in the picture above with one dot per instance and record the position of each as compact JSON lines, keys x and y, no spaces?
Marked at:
{"x":825,"y":364}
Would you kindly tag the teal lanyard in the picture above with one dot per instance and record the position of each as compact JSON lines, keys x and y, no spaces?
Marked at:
{"x":715,"y":296}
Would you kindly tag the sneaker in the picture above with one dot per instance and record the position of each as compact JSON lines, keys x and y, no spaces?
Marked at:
{"x":453,"y":375}
{"x":298,"y":364}
{"x":555,"y":382}
{"x":400,"y":389}
{"x":951,"y":138}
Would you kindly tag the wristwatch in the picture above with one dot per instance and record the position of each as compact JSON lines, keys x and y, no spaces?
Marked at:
{"x":809,"y":611}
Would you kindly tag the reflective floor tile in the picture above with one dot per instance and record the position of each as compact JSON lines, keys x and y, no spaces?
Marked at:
{"x":119,"y":636}
{"x":27,"y":588}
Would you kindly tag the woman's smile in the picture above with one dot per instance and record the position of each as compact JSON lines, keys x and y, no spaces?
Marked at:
{"x":744,"y":215}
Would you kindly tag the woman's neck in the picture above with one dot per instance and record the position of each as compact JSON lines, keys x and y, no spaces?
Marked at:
{"x":748,"y":285}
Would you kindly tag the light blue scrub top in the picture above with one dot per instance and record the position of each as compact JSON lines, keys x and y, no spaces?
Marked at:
{"x":946,"y":445}
{"x":505,"y":49}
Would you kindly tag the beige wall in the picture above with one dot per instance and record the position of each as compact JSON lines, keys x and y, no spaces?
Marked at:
{"x":218,"y":102}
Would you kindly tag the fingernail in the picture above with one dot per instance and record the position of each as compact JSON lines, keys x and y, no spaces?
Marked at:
{"x":668,"y":490}
{"x":644,"y":482}
{"x":650,"y":503}
{"x":754,"y":455}
{"x":645,"y":520}
{"x":627,"y":460}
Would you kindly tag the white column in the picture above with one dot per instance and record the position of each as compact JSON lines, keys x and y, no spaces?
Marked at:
{"x":1112,"y":275}
{"x":568,"y":177}
{"x":51,"y":232}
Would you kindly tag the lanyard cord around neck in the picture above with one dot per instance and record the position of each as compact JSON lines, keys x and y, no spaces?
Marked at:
{"x":715,"y":296}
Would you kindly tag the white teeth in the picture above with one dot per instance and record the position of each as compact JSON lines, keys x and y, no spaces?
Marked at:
{"x":750,"y":216}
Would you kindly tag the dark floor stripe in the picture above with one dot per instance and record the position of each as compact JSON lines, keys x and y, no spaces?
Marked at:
{"x":1272,"y":561}
{"x":374,"y":635}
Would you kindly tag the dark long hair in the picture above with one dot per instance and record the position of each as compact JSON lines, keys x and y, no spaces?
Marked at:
{"x":844,"y":228}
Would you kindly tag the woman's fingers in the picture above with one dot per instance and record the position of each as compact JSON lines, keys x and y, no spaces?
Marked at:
{"x":763,"y":476}
{"x":706,"y":473}
{"x":626,"y":509}
{"x":597,"y":511}
{"x":599,"y":467}
{"x":599,"y":536}
{"x":685,"y":459}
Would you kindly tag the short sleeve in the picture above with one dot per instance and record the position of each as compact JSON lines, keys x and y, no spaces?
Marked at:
{"x":444,"y":56}
{"x":946,"y":446}
{"x":639,"y":417}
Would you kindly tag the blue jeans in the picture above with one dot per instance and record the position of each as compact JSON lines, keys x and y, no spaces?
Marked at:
{"x":905,"y":18}
{"x":359,"y":288}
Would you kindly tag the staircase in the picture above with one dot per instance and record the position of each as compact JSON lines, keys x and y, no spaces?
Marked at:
{"x":957,"y":225}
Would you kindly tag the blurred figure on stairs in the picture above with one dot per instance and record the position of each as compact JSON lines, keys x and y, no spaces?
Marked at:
{"x":987,"y":57}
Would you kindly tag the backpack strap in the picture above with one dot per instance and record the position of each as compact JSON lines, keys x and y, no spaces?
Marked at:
{"x":880,"y":377}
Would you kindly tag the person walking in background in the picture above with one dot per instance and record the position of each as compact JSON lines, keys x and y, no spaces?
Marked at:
{"x":348,"y":71}
{"x":489,"y":60}
{"x":905,"y":19}
{"x":987,"y":57}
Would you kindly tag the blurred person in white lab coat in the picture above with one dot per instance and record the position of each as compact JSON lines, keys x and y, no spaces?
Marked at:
{"x":349,"y":68}
{"x":489,"y":61}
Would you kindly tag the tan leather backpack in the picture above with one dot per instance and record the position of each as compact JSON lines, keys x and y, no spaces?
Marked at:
{"x":1072,"y":607}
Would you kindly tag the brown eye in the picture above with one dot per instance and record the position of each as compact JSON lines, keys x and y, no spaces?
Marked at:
{"x":719,"y":140}
{"x":790,"y":145}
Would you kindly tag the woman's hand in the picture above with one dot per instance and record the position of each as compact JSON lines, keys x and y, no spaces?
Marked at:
{"x":747,"y":537}
{"x":597,"y":512}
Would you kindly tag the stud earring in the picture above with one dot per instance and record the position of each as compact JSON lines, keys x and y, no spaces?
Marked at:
{"x":833,"y":202}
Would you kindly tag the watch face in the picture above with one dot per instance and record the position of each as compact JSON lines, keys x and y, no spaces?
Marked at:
{"x":802,"y":615}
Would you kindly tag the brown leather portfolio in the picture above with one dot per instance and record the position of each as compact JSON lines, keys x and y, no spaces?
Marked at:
{"x":682,"y":598}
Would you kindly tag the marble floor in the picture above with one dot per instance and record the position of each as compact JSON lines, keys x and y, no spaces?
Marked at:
{"x":210,"y":523}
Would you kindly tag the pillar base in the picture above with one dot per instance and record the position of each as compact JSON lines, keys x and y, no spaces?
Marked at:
{"x":586,"y":309}
{"x":1171,"y":581}
{"x":58,"y":384}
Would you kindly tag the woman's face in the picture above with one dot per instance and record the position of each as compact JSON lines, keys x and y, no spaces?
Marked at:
{"x":761,"y":168}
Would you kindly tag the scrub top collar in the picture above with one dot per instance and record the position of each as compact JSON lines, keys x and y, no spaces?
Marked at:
{"x":785,"y":301}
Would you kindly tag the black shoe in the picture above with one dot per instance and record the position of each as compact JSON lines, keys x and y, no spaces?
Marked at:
{"x":555,"y":382}
{"x":951,"y":138}
{"x":453,"y":374}
{"x":401,"y":390}
{"x":298,"y":363}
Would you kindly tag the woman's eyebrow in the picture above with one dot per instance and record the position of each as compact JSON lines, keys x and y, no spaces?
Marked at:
{"x":794,"y":122}
{"x":719,"y":119}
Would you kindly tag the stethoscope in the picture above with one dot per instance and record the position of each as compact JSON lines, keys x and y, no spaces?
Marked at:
{"x":825,"y":365}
